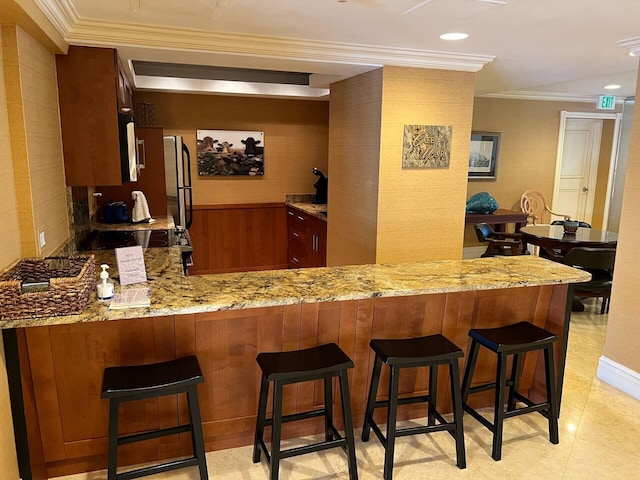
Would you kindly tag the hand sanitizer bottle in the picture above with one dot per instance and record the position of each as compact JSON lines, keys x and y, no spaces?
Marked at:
{"x":105,"y":287}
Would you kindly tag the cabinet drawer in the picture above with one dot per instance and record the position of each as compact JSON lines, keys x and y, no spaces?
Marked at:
{"x":307,"y":239}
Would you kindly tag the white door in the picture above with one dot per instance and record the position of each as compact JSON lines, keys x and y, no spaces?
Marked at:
{"x":578,"y":169}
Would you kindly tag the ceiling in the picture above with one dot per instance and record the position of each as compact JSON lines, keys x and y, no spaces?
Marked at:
{"x":539,"y":49}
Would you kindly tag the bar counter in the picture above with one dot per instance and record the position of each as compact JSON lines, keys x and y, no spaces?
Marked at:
{"x":227,"y":319}
{"x":175,"y":294}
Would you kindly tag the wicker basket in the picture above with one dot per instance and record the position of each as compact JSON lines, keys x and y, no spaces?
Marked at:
{"x":45,"y":287}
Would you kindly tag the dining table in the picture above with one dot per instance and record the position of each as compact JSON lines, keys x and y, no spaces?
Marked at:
{"x":554,"y":243}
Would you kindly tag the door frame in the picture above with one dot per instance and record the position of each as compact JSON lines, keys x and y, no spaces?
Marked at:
{"x":617,"y":118}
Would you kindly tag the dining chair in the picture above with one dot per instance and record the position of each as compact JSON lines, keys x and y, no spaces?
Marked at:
{"x":535,"y":206}
{"x":499,"y":243}
{"x":599,"y":262}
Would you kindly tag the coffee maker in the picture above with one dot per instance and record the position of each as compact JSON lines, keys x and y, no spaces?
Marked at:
{"x":320,"y":186}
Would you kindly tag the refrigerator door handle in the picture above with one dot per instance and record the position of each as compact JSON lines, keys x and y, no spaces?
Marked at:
{"x":188,"y":201}
{"x":188,"y":194}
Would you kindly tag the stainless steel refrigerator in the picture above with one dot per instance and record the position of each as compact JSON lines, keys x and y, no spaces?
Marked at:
{"x":177,"y":173}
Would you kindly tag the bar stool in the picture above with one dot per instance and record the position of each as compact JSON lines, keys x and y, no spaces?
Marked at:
{"x":137,"y":382}
{"x":283,"y":368}
{"x":516,"y":339}
{"x":430,"y":351}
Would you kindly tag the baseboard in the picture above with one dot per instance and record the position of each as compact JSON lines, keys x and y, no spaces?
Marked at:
{"x":619,"y":376}
{"x":473,"y":252}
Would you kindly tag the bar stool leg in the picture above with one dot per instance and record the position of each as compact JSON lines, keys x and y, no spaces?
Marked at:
{"x":114,"y":412}
{"x":328,"y":408}
{"x":433,"y":394}
{"x":458,"y":411}
{"x":371,"y":399}
{"x":552,"y":394}
{"x":276,"y":431}
{"x":196,"y":431}
{"x":391,"y":423}
{"x":348,"y":425}
{"x":260,"y":420}
{"x":501,"y":384}
{"x":515,"y":380}
{"x":468,"y":372}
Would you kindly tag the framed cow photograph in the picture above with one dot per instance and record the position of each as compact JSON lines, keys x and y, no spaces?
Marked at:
{"x":230,"y":152}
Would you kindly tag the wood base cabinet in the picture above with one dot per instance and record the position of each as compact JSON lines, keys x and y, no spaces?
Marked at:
{"x":307,"y":239}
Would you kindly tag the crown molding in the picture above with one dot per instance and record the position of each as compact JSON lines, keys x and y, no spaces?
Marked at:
{"x":85,"y":31}
{"x":544,"y":96}
{"x":61,"y":13}
{"x":631,"y":44}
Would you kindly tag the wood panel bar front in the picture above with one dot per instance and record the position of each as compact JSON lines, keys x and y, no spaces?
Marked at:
{"x":67,"y":363}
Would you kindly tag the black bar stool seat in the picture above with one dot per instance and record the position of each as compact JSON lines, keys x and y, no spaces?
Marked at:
{"x":430,"y":351}
{"x":515,"y":340}
{"x":138,"y":382}
{"x":282,"y":368}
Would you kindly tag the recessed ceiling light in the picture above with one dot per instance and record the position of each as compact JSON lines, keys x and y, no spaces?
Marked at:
{"x":454,"y":36}
{"x":613,"y":86}
{"x":632,"y":54}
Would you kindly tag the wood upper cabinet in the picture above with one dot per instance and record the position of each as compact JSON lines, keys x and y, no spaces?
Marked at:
{"x":151,"y":181}
{"x":307,"y":239}
{"x":92,"y":89}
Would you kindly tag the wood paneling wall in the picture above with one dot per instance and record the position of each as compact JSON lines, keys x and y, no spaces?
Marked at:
{"x":238,"y":238}
{"x":67,"y":362}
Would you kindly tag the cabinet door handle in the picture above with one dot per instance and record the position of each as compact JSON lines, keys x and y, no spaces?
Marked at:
{"x":295,"y":260}
{"x":142,"y":158}
{"x":290,"y":213}
{"x":295,"y":234}
{"x":300,"y":218}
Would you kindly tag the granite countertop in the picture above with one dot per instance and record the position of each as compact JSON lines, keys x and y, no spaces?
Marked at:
{"x":304,"y":202}
{"x":161,"y":223}
{"x":174,"y":294}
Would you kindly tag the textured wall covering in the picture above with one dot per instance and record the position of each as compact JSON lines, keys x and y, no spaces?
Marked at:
{"x":295,"y":140}
{"x":623,"y":335}
{"x":36,"y":145}
{"x":9,"y":253}
{"x":354,"y":169}
{"x":528,"y":146}
{"x":393,"y":214}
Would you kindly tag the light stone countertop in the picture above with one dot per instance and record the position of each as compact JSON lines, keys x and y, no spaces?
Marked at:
{"x":174,"y":294}
{"x":161,"y":223}
{"x":312,"y":209}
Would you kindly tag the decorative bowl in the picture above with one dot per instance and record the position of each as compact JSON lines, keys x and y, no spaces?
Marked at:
{"x":570,"y":227}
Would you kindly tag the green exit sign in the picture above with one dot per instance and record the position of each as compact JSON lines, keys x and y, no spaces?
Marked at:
{"x":607,"y":102}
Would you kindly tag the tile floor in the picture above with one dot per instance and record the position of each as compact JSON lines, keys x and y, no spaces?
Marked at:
{"x":599,"y":437}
